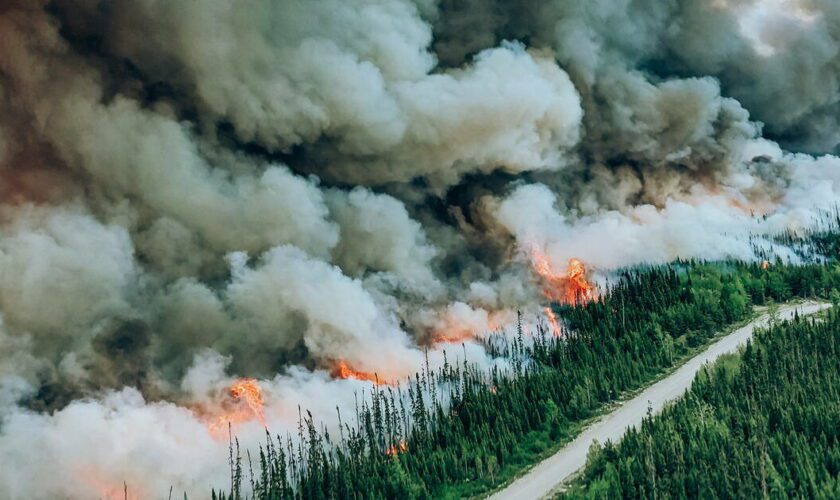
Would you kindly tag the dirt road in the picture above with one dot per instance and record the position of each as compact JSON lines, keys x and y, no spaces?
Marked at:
{"x":549,"y":474}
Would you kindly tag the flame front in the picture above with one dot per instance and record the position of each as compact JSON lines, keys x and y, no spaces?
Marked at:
{"x":571,"y":287}
{"x":95,"y":480}
{"x":343,"y":371}
{"x":552,"y":322}
{"x":244,"y":403}
{"x":248,"y":390}
{"x":453,"y":331}
{"x":395,"y":449}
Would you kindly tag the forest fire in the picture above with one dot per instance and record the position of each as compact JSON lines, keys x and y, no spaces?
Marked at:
{"x":552,"y":322}
{"x":343,"y":371}
{"x":452,"y":337}
{"x":396,"y":449}
{"x":244,"y":402}
{"x":248,"y":390}
{"x":104,"y":488}
{"x":455,"y":330}
{"x":570,"y":287}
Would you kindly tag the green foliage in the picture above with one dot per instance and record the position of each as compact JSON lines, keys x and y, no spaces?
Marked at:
{"x":466,"y":429}
{"x":764,"y":425}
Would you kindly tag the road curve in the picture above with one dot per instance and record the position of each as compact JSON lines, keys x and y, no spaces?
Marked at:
{"x":548,"y":475}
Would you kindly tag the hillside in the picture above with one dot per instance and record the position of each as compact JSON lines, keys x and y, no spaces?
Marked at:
{"x":760,"y":425}
{"x":492,"y":424}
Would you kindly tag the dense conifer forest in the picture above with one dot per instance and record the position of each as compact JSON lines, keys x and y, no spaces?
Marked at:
{"x":460,"y":430}
{"x":765,"y":424}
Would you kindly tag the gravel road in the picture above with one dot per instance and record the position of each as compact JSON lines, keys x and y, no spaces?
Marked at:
{"x":548,"y":475}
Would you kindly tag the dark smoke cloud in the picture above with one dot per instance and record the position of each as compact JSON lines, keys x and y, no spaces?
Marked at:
{"x":192,"y":190}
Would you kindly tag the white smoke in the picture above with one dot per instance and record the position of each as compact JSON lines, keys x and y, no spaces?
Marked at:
{"x":341,"y":319}
{"x":192,"y":191}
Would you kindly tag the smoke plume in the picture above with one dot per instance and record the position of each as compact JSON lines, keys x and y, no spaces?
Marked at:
{"x":193,"y":191}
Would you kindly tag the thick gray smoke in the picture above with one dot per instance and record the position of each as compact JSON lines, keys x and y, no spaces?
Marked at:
{"x":197,"y":190}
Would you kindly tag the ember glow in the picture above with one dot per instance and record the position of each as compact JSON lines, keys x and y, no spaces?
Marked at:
{"x":569,"y":287}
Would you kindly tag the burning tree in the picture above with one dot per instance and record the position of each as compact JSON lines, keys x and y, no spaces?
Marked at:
{"x":572,"y":286}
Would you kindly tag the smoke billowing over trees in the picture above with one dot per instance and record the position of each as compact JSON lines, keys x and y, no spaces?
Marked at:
{"x":192,"y":191}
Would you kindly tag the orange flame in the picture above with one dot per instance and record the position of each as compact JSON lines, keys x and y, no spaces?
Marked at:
{"x":105,"y":489}
{"x":343,"y":371}
{"x":453,"y":336}
{"x":552,"y":322}
{"x":765,"y":264}
{"x":244,"y":403}
{"x":571,"y":287}
{"x":453,"y":333}
{"x":248,"y":390}
{"x":394,"y":449}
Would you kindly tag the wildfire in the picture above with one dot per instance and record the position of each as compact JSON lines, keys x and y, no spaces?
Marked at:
{"x":105,"y":489}
{"x":455,"y":331}
{"x":753,"y":209}
{"x":244,"y":402}
{"x":248,"y":390}
{"x":765,"y":264}
{"x":552,"y":322}
{"x":571,"y":287}
{"x":343,"y":371}
{"x":394,"y":449}
{"x":453,"y":336}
